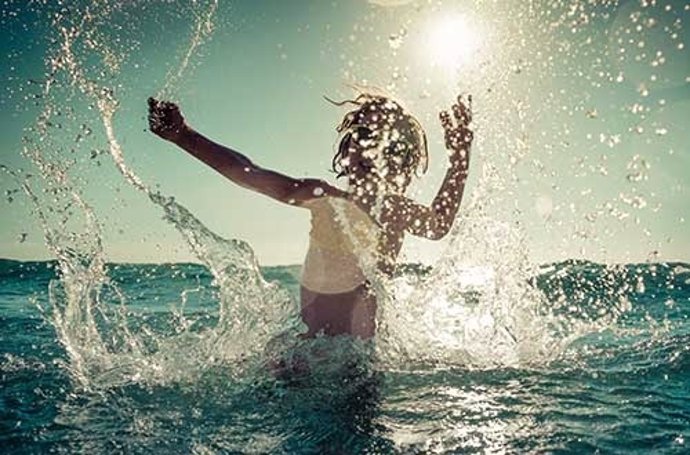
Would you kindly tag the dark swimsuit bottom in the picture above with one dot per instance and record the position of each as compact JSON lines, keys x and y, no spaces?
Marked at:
{"x":351,"y":312}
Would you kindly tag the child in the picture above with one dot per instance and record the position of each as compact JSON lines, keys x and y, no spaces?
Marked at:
{"x":381,"y":147}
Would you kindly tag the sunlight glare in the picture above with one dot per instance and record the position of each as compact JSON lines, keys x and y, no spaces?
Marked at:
{"x":452,"y":41}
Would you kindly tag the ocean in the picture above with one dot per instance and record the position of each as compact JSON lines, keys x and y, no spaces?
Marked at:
{"x":150,"y":367}
{"x":579,"y":150}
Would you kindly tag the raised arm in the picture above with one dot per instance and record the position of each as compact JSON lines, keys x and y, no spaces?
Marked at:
{"x":435,"y":221}
{"x":166,"y":121}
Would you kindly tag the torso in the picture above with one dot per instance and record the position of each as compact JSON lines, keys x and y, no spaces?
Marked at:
{"x":340,"y":234}
{"x":345,"y":245}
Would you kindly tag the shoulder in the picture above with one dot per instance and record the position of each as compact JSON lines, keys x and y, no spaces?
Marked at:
{"x":401,"y":211}
{"x":312,"y":191}
{"x":396,"y":203}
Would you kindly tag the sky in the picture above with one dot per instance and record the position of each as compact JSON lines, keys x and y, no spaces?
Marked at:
{"x":581,"y":137}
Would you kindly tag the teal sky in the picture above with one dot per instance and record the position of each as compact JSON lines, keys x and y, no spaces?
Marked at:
{"x":581,"y":117}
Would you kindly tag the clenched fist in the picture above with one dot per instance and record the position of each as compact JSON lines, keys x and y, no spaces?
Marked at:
{"x":165,"y":120}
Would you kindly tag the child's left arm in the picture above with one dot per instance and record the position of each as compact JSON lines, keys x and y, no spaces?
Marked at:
{"x":435,"y":221}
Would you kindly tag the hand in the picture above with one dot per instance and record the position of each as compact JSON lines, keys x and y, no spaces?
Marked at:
{"x":459,"y":137}
{"x":165,"y":120}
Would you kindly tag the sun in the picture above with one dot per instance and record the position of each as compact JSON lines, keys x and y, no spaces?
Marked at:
{"x":452,"y":41}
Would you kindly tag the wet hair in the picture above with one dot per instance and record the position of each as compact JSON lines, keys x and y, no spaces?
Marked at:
{"x":408,"y":147}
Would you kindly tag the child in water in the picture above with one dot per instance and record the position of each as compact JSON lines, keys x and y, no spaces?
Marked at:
{"x":381,"y":147}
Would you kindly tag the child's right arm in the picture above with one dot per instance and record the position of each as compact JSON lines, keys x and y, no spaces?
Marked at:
{"x":166,"y":121}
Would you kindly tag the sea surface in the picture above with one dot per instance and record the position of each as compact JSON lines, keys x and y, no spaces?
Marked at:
{"x":482,"y":352}
{"x":619,"y":386}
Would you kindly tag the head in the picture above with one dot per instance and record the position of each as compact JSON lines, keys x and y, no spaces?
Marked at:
{"x":380,"y":145}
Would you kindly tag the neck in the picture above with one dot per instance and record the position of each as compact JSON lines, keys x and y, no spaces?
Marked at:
{"x":364,"y":192}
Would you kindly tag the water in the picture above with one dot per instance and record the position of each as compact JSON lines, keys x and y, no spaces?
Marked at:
{"x":483,"y":351}
{"x":624,"y":388}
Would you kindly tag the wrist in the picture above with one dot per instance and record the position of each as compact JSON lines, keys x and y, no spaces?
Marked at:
{"x":460,"y":158}
{"x":458,"y":167}
{"x":184,"y":135}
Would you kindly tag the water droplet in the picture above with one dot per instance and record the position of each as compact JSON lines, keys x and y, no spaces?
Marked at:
{"x":395,"y":40}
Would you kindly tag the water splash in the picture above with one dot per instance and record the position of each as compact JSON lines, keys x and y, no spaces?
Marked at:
{"x":475,"y":308}
{"x":88,"y":311}
{"x":159,"y":376}
{"x":203,"y":29}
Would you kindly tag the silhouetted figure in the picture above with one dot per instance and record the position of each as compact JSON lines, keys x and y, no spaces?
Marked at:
{"x":358,"y":230}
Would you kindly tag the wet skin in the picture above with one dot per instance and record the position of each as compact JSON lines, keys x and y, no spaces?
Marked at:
{"x":376,"y":186}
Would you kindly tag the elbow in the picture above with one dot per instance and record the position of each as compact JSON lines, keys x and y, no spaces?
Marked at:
{"x":438,"y":232}
{"x":436,"y":235}
{"x":440,"y":227}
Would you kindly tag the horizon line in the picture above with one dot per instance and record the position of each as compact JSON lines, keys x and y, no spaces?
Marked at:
{"x":299,"y":265}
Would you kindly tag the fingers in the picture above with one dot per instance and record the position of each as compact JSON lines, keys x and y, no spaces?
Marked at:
{"x":459,"y":113}
{"x":155,"y":113}
{"x":457,"y":132}
{"x":445,"y":120}
{"x":165,"y":119}
{"x":167,"y":105}
{"x":161,"y":106}
{"x":463,"y":111}
{"x":468,"y":109}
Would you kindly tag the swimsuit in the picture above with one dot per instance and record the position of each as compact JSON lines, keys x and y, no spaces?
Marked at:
{"x":341,"y":241}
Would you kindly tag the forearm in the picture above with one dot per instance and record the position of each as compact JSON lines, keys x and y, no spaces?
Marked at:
{"x":447,"y":202}
{"x":242,"y":171}
{"x":226,"y":161}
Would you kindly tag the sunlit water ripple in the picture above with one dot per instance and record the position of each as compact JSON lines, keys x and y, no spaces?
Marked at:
{"x":624,"y":389}
{"x":481,"y":353}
